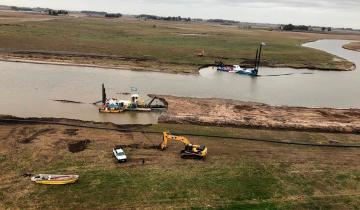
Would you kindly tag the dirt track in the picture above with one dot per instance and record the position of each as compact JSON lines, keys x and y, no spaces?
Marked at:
{"x":256,"y":115}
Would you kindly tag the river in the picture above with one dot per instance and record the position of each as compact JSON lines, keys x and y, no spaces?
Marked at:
{"x":28,"y":90}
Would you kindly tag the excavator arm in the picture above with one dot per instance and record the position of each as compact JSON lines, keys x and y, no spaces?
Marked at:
{"x":198,"y":151}
{"x":167,"y":136}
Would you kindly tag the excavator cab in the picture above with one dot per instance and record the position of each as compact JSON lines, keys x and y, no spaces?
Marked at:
{"x":190,"y":150}
{"x":194,"y":151}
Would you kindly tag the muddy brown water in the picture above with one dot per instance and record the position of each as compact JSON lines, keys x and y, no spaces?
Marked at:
{"x":31,"y":90}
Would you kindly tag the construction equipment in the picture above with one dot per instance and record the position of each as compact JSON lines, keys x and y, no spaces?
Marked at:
{"x":113,"y":105}
{"x":240,"y":70}
{"x":190,"y":151}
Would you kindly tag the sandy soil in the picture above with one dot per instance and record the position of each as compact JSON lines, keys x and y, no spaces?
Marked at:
{"x":246,"y":114}
{"x":355,"y":46}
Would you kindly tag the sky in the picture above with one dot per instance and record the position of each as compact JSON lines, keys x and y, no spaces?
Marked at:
{"x":334,"y":13}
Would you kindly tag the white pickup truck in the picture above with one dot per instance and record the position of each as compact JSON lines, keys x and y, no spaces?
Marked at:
{"x":119,"y":155}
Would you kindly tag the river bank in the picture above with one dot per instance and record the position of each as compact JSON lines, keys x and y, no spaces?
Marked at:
{"x":220,"y":112}
{"x":144,"y":63}
{"x":159,"y":45}
{"x":230,"y":113}
{"x":355,"y":46}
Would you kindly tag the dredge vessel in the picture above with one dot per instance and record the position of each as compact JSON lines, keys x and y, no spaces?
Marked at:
{"x":113,"y":105}
{"x":239,"y":70}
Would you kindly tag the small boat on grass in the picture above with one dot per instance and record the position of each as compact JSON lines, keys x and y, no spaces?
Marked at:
{"x":54,"y":179}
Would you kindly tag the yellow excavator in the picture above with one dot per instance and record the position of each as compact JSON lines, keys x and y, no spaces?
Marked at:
{"x":190,"y":151}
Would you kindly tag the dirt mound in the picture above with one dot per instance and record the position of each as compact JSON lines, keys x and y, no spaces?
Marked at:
{"x":232,"y":113}
{"x":78,"y":146}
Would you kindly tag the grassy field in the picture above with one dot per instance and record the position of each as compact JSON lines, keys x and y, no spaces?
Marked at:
{"x":157,"y":45}
{"x":236,"y":175}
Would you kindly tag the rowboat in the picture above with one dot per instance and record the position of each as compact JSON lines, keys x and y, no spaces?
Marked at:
{"x":54,"y":179}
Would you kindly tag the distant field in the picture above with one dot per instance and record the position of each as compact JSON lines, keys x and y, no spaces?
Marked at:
{"x":353,"y":46}
{"x":236,"y":175}
{"x":155,"y":45}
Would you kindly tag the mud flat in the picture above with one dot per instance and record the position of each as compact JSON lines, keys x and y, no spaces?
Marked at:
{"x":355,"y":46}
{"x":221,"y":112}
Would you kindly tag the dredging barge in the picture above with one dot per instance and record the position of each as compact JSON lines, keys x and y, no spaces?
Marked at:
{"x":240,"y":70}
{"x":113,"y":105}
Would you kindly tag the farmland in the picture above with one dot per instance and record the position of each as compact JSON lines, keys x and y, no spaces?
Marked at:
{"x":155,"y":45}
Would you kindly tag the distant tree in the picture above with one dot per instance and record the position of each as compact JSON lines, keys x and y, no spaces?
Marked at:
{"x":53,"y":12}
{"x":113,"y":15}
{"x":94,"y":13}
{"x":329,"y":29}
{"x":21,"y":8}
{"x":168,"y":18}
{"x":57,"y":12}
{"x":323,"y":29}
{"x":289,"y":27}
{"x":221,"y":21}
{"x":302,"y":28}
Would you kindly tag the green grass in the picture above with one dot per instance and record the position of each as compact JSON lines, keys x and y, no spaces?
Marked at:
{"x":163,"y":42}
{"x":156,"y":186}
{"x":235,"y":175}
{"x":241,"y":185}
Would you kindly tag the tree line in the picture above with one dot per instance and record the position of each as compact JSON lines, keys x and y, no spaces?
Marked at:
{"x":169,"y":18}
{"x":57,"y":12}
{"x":221,"y":21}
{"x":113,"y":15}
{"x":104,"y":14}
{"x":291,"y":27}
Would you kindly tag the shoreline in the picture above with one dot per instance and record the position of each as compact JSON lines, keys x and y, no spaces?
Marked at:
{"x":233,"y":114}
{"x":61,"y":61}
{"x":349,"y":46}
{"x":123,"y":67}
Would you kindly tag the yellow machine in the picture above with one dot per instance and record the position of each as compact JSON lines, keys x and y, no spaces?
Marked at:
{"x":190,"y":151}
